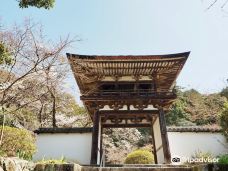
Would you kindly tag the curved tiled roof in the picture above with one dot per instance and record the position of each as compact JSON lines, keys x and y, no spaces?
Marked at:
{"x":193,"y":129}
{"x":63,"y":130}
{"x":169,"y":129}
{"x":91,"y":72}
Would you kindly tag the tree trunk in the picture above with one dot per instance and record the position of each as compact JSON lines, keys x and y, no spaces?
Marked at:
{"x":53,"y":110}
{"x":40,"y":115}
{"x":3,"y":126}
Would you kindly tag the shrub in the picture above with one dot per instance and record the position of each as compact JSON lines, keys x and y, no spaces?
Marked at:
{"x":47,"y":4}
{"x":201,"y":157}
{"x":53,"y":161}
{"x":224,"y":120}
{"x":224,"y":92}
{"x":201,"y":154}
{"x":223,"y":159}
{"x":139,"y":157}
{"x":18,"y":142}
{"x":5,"y":57}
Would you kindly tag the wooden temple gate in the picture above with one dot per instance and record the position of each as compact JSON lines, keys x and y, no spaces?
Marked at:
{"x":128,"y":92}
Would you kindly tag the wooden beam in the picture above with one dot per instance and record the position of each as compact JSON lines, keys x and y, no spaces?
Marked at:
{"x":126,"y":125}
{"x":128,"y":112}
{"x":95,"y":134}
{"x":103,"y":96}
{"x":164,"y":136}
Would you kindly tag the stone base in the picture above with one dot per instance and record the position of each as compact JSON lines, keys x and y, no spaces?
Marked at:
{"x":148,"y":168}
{"x":217,"y":167}
{"x":15,"y":164}
{"x":57,"y":167}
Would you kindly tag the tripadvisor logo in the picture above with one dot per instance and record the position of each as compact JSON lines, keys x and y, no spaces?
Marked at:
{"x":176,"y":160}
{"x":202,"y":160}
{"x":179,"y":160}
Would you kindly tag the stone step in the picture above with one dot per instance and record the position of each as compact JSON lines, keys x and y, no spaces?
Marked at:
{"x":147,"y":168}
{"x":75,"y":167}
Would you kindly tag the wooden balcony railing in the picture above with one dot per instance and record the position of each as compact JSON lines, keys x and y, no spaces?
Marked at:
{"x":140,"y":93}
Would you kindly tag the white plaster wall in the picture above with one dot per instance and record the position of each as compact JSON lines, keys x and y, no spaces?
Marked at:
{"x":77,"y":147}
{"x":185,"y":144}
{"x":73,"y":146}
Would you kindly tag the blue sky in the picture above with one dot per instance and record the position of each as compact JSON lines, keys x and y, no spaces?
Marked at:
{"x":119,"y":27}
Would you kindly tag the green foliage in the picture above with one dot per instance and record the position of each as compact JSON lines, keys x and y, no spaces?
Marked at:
{"x":2,"y":153}
{"x":8,"y":120}
{"x":22,"y":117}
{"x":224,"y":92}
{"x":204,"y":155}
{"x":62,"y":160}
{"x":69,"y":106}
{"x":223,"y":159}
{"x":5,"y":57}
{"x":47,"y":4}
{"x":192,"y":108}
{"x":201,"y":157}
{"x":145,"y":138}
{"x":177,"y":115}
{"x":79,"y":110}
{"x":139,"y":157}
{"x":204,"y":109}
{"x":224,"y":120}
{"x":26,"y":118}
{"x":144,"y":131}
{"x":18,"y":142}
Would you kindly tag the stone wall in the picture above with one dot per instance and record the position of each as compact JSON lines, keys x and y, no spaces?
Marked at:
{"x":15,"y":164}
{"x":72,"y":167}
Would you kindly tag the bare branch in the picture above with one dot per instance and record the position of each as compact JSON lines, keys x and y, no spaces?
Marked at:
{"x":211,"y":5}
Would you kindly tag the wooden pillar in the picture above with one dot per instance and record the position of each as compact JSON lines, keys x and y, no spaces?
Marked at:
{"x":101,"y":143}
{"x":154,"y":145}
{"x":164,"y":137}
{"x":95,"y":138}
